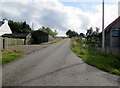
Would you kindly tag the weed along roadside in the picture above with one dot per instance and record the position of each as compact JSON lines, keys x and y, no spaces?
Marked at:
{"x":107,"y":62}
{"x":9,"y":55}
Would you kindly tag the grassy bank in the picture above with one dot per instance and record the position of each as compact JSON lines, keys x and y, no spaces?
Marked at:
{"x":94,"y":57}
{"x":8,"y":56}
{"x":53,"y":41}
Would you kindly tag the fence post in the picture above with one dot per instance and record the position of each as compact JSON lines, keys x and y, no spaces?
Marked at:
{"x":1,"y":47}
{"x":3,"y":43}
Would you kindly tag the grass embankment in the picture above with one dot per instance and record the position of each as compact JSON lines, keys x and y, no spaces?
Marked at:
{"x":94,"y":57}
{"x":8,"y":56}
{"x":53,"y":41}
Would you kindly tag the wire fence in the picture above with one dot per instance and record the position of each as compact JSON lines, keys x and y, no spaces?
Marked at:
{"x":107,"y":50}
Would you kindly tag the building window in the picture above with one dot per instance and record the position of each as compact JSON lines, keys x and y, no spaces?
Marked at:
{"x":115,"y":33}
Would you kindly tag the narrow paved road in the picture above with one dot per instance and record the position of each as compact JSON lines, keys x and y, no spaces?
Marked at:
{"x":55,"y":65}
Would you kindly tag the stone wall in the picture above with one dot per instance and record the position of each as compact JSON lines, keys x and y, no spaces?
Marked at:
{"x":6,"y":42}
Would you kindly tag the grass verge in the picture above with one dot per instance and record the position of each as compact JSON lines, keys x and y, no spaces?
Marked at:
{"x":107,"y":62}
{"x":53,"y":41}
{"x":8,"y":56}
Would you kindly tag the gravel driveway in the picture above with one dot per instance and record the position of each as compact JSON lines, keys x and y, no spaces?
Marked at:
{"x":27,"y":49}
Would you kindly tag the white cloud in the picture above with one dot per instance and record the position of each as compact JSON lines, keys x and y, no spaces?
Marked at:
{"x":57,"y":16}
{"x":111,"y":13}
{"x":13,"y":12}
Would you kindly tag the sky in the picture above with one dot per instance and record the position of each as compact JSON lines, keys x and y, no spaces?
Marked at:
{"x":60,"y":15}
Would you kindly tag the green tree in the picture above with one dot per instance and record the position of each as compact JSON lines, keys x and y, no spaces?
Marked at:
{"x":19,"y":27}
{"x":82,"y":35}
{"x":92,"y":36}
{"x":71,"y":34}
{"x":89,"y":31}
{"x":97,"y":30}
{"x":48,"y":30}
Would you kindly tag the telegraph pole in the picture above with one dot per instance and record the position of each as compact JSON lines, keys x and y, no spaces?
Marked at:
{"x":103,"y":33}
{"x":32,"y":27}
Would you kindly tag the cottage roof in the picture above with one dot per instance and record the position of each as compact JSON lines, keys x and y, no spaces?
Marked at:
{"x":112,"y":24}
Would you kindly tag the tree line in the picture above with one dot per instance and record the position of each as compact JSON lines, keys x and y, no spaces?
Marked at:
{"x":91,"y":35}
{"x":23,"y":27}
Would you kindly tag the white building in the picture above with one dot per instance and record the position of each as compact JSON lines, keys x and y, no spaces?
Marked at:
{"x":4,"y":28}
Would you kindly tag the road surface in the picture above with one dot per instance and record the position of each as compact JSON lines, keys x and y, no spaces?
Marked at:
{"x":55,"y":65}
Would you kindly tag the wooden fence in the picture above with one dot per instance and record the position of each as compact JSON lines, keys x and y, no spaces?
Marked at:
{"x":6,"y":42}
{"x":113,"y":50}
{"x":1,"y":43}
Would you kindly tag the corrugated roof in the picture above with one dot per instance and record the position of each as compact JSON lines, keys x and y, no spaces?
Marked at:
{"x":20,"y":35}
{"x":17,"y":35}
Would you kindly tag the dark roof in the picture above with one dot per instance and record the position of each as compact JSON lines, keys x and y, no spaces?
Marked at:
{"x":1,"y":23}
{"x":40,"y":33}
{"x":20,"y":35}
{"x":112,"y":24}
{"x":17,"y":35}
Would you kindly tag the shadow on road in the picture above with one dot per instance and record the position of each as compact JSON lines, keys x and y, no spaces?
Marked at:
{"x":55,"y":71}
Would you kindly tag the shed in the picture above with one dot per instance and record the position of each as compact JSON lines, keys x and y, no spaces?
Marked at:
{"x":112,"y":37}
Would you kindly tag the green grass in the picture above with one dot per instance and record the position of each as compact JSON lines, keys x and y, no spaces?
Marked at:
{"x":53,"y":41}
{"x":8,"y":56}
{"x":107,"y":62}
